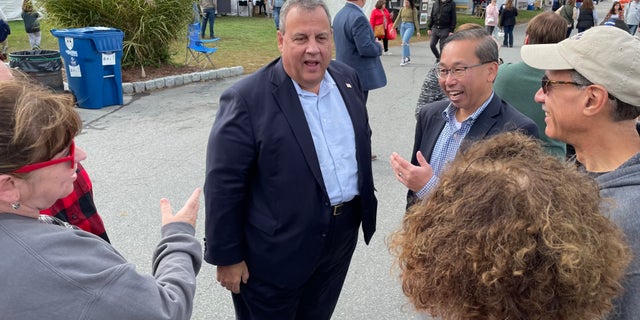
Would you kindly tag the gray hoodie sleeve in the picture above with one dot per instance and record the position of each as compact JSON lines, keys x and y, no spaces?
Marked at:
{"x":167,"y":294}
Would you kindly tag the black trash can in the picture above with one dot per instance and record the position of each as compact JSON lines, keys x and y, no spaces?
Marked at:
{"x":44,"y":66}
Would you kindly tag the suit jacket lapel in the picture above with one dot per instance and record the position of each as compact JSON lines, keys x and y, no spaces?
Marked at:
{"x":486,"y":120}
{"x":287,"y":100}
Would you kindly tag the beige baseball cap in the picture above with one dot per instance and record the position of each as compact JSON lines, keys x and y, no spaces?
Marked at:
{"x":605,"y":55}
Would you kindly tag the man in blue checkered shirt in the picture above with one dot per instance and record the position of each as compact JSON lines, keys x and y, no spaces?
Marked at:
{"x":468,"y":67}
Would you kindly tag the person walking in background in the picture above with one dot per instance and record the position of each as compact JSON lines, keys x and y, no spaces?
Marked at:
{"x":408,"y":22}
{"x":473,"y":111}
{"x":508,"y":15}
{"x":288,"y":175}
{"x":590,"y":98}
{"x":569,"y":12}
{"x":615,"y":12}
{"x":587,"y":16}
{"x":357,"y":47}
{"x":491,"y":17}
{"x":442,"y":22}
{"x":517,"y":82}
{"x":539,"y":246}
{"x":632,"y":16}
{"x":30,"y":18}
{"x":276,"y":5}
{"x":208,"y":9}
{"x":380,"y":20}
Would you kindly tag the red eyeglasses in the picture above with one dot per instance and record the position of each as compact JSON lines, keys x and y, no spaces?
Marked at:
{"x":40,"y":165}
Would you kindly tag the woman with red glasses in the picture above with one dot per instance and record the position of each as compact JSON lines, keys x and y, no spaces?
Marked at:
{"x":53,"y":270}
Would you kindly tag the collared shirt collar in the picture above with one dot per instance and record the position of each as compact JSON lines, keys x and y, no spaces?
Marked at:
{"x":326,"y":83}
{"x":450,"y":112}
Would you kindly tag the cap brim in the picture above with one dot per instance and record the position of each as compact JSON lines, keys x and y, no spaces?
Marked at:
{"x":544,"y":57}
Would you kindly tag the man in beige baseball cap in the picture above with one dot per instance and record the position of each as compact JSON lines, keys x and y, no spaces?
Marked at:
{"x":590,"y":94}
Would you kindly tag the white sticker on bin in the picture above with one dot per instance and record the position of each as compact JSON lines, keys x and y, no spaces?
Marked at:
{"x":74,"y":71}
{"x":109,"y":59}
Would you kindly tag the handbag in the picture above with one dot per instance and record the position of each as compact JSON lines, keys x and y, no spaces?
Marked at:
{"x":391,"y":31}
{"x":378,"y":31}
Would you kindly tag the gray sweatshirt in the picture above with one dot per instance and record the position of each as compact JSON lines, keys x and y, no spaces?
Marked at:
{"x":623,"y":187}
{"x":50,"y":272}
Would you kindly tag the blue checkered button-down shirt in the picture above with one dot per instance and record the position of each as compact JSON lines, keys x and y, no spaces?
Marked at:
{"x":449,"y":142}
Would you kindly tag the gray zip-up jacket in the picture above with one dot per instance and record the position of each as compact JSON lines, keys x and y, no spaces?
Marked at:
{"x":50,"y":272}
{"x":621,"y":190}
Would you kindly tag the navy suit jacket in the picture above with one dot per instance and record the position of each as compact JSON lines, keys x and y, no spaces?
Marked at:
{"x":265,"y":198}
{"x":356,"y":46}
{"x":499,"y":116}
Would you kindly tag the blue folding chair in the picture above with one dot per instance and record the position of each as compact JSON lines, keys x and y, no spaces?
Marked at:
{"x":197,"y":49}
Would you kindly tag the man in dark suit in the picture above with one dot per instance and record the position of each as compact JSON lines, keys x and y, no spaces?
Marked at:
{"x":357,"y":47}
{"x":468,"y":67}
{"x":288,"y":176}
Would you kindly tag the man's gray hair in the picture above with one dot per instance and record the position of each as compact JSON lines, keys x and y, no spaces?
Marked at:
{"x":487,"y":49}
{"x":309,"y":5}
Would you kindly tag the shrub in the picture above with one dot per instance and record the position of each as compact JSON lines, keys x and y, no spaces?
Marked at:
{"x":149,"y":26}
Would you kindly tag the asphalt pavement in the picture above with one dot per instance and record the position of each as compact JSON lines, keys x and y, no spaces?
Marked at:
{"x":154,"y":146}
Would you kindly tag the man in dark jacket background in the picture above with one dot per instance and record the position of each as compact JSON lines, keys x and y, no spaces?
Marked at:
{"x":441,"y":24}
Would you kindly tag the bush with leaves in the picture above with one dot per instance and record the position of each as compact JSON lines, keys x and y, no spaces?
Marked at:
{"x":149,"y":26}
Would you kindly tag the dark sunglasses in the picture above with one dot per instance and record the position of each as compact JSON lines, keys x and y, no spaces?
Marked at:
{"x":545,"y":83}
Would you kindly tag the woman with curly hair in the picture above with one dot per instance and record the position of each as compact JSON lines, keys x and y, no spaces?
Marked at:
{"x":510,"y":233}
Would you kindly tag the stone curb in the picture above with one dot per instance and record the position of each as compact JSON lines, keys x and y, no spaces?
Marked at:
{"x":179,"y":80}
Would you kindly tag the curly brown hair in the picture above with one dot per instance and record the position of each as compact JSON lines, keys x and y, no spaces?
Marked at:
{"x":510,"y":233}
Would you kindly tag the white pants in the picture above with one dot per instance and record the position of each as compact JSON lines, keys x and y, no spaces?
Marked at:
{"x":34,"y":40}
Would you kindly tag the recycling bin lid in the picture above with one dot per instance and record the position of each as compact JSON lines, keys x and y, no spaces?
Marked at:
{"x":86,"y":32}
{"x":105,"y":39}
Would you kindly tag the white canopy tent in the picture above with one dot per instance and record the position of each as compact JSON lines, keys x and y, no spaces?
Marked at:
{"x":12,"y":9}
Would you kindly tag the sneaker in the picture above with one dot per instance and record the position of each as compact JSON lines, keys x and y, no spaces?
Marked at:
{"x":408,"y":60}
{"x":404,"y":62}
{"x":386,"y":53}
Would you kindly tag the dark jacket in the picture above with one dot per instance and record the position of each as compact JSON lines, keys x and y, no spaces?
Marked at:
{"x":585,"y":19}
{"x":508,"y":17}
{"x":443,"y":15}
{"x":499,"y":116}
{"x":265,"y":199}
{"x":31,"y":23}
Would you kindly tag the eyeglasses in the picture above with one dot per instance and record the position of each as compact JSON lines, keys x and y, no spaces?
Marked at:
{"x":545,"y":83}
{"x":40,"y":165}
{"x":458,"y":72}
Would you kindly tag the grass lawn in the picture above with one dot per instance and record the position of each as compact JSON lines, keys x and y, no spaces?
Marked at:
{"x":244,"y":41}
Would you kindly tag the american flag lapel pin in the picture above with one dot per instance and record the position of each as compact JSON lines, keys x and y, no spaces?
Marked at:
{"x":349,"y":85}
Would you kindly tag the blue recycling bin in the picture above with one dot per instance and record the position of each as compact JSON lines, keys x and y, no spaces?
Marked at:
{"x":92,"y":64}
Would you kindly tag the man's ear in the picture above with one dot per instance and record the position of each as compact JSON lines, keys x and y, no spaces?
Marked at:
{"x":597,"y":100}
{"x":9,"y":193}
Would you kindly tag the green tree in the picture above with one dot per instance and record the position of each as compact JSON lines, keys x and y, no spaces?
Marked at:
{"x":149,"y":26}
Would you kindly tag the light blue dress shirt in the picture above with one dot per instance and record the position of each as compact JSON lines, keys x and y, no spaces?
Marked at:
{"x":449,"y":142}
{"x":333,"y":139}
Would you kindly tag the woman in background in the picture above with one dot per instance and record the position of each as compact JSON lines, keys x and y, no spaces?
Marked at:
{"x":380,"y":17}
{"x":569,"y":13}
{"x":491,"y":17}
{"x":587,"y":16}
{"x":615,"y":12}
{"x":508,"y":15}
{"x":30,"y":18}
{"x":408,"y":21}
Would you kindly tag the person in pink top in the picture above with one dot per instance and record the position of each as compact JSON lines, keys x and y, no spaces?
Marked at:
{"x":491,"y":16}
